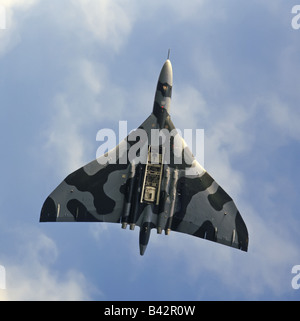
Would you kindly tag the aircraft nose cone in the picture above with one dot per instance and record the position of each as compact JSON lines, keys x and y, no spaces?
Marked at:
{"x":166,"y":74}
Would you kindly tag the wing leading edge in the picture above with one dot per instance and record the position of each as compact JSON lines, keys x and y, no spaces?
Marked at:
{"x":97,"y":191}
{"x":190,"y":200}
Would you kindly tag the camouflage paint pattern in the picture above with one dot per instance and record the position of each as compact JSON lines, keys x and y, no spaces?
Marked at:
{"x":172,"y":192}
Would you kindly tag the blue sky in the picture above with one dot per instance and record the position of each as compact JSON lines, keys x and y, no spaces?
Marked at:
{"x":71,"y":68}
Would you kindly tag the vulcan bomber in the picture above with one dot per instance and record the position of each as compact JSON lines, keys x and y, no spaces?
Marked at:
{"x":151,"y":180}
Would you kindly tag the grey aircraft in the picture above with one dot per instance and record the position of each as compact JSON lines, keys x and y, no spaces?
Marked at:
{"x":152,"y":180}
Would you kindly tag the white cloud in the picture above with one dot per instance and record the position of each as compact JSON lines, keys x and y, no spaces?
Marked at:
{"x":64,"y":143}
{"x":91,"y":75}
{"x":272,"y":252}
{"x":176,"y":12}
{"x":11,"y":36}
{"x":109,"y":22}
{"x":24,"y":4}
{"x":262,"y":272}
{"x":43,"y":284}
{"x":87,"y":100}
{"x":106,"y":22}
{"x":31,"y":274}
{"x":8,"y":37}
{"x":228,"y":132}
{"x":188,"y":101}
{"x":283,"y":116}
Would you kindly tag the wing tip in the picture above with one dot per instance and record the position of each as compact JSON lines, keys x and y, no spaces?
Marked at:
{"x":48,"y":212}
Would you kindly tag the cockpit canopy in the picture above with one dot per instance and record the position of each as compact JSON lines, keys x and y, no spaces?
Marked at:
{"x":165,"y":89}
